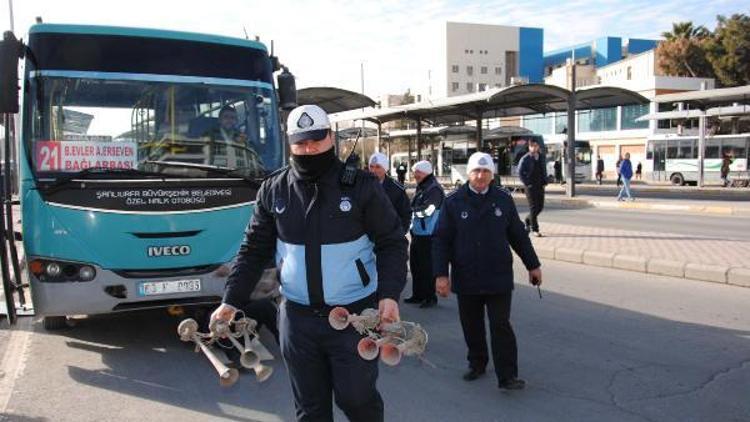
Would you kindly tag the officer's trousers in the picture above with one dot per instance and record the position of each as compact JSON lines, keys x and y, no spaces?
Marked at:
{"x":420,"y":264}
{"x":471,"y":308}
{"x":324,"y":363}
{"x":535,"y":197}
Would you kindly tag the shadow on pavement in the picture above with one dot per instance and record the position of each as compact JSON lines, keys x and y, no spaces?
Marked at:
{"x":583,"y":361}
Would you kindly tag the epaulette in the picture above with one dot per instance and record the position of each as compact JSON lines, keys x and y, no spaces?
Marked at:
{"x":504,"y":190}
{"x":276,"y":172}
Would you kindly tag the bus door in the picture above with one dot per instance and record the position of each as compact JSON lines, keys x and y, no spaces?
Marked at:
{"x":660,"y":156}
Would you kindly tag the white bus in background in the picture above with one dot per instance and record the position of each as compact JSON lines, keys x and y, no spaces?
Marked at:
{"x":675,"y":158}
{"x":555,"y":151}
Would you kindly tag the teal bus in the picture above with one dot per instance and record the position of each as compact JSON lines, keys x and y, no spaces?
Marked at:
{"x":140,"y":155}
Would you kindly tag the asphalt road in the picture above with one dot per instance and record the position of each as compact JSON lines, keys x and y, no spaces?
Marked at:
{"x":601,"y":345}
{"x":724,"y":227}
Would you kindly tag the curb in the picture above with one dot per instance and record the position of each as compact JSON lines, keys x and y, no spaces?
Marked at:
{"x":568,"y":203}
{"x":735,"y":276}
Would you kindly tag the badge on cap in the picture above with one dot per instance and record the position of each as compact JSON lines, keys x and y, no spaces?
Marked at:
{"x":464,"y":215}
{"x":345,"y":205}
{"x":305,"y":121}
{"x":483,"y":161}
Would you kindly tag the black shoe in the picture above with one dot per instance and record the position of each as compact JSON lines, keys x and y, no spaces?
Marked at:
{"x":428,"y":303}
{"x":413,"y":299}
{"x":473,"y":374}
{"x":512,"y":384}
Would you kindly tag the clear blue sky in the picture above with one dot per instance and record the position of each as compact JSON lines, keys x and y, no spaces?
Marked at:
{"x":325,"y":41}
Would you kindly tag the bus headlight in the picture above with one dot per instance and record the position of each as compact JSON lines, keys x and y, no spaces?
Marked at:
{"x":87,"y":273}
{"x":53,"y":269}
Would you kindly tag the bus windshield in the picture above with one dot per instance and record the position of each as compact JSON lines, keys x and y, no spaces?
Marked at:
{"x":78,"y":124}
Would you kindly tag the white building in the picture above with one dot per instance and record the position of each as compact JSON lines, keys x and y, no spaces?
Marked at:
{"x":475,"y":57}
{"x":612,"y":132}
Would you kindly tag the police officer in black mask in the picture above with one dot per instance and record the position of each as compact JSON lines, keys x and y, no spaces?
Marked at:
{"x":336,"y":241}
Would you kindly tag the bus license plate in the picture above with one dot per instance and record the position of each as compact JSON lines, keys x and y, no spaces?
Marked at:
{"x":153,"y":288}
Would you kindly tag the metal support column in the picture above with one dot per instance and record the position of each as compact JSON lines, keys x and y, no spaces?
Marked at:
{"x":377,"y":144}
{"x":479,"y":131}
{"x":570,"y":189}
{"x":701,"y":147}
{"x":419,"y":139}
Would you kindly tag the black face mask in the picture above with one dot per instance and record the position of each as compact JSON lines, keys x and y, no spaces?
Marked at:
{"x":311,"y":167}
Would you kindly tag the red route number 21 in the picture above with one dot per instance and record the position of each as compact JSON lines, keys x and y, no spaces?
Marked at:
{"x":48,"y":155}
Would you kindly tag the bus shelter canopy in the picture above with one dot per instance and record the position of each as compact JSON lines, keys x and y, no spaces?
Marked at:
{"x":516,"y":100}
{"x":333,"y":100}
{"x":704,"y":99}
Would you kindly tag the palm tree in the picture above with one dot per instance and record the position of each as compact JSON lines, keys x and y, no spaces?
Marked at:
{"x":686,"y":30}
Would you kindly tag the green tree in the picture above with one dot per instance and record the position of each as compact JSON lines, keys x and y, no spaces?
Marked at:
{"x":683,"y":53}
{"x":686,"y":30}
{"x":728,"y":50}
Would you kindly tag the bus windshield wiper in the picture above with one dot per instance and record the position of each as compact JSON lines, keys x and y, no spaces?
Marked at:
{"x":224,"y":171}
{"x":100,"y":171}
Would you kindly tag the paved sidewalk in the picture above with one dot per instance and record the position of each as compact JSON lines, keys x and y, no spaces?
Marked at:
{"x":694,"y":257}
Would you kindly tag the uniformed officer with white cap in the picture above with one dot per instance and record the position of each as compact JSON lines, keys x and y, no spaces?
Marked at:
{"x":336,"y":242}
{"x":378,"y":166}
{"x":425,"y":207}
{"x":478,"y":226}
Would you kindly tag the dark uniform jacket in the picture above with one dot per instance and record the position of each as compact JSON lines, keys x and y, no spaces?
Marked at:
{"x":532,"y":172}
{"x":475,"y":235}
{"x":325,"y":238}
{"x":429,"y":192}
{"x":397,"y":195}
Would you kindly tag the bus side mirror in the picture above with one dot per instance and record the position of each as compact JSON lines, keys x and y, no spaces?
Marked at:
{"x":287,"y":90}
{"x":10,"y":51}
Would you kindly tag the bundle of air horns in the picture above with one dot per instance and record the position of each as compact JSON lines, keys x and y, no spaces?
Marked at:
{"x":252,"y":352}
{"x":390,"y":340}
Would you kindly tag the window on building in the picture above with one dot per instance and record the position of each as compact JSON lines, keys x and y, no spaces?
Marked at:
{"x":630,"y":72}
{"x":498,"y":70}
{"x":454,"y":68}
{"x":466,"y":51}
{"x":498,"y":85}
{"x":483,"y":70}
{"x":454,"y":86}
{"x":597,"y":120}
{"x":469,"y":70}
{"x":469,"y":86}
{"x":538,"y":123}
{"x":631,"y":113}
{"x":561,"y":122}
{"x":482,"y":87}
{"x":471,"y":51}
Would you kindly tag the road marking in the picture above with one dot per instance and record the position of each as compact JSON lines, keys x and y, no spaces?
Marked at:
{"x":14,"y":360}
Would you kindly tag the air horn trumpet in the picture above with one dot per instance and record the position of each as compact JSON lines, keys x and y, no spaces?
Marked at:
{"x":340,"y":318}
{"x":188,"y":331}
{"x":391,"y":340}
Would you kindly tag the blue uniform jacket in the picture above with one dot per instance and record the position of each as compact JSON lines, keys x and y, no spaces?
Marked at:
{"x":429,"y":192}
{"x":475,"y":235}
{"x":397,"y":195}
{"x":325,"y":252}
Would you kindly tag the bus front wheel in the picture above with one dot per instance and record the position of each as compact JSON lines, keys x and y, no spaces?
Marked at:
{"x":677,"y":179}
{"x":55,"y":322}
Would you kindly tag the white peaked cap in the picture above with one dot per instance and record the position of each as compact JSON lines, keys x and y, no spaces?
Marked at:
{"x":380,"y":159}
{"x":424,"y":166}
{"x":480,"y":160}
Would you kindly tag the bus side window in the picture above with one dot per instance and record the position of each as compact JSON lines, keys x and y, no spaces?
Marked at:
{"x":712,"y":150}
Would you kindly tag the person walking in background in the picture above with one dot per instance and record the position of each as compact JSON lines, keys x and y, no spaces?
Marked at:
{"x":425,"y":212}
{"x":638,"y":171}
{"x":617,"y":166}
{"x":533,"y":174}
{"x":626,"y":173}
{"x":599,"y":169}
{"x":478,"y":228}
{"x":725,"y":163}
{"x":401,"y":172}
{"x":558,"y":171}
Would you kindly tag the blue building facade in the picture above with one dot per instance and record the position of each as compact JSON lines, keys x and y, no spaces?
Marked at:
{"x":599,"y":52}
